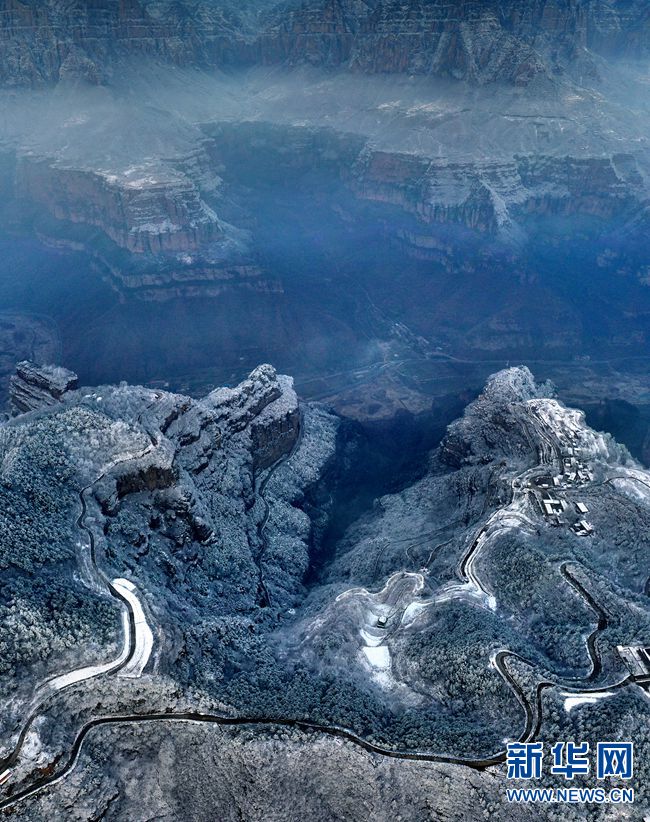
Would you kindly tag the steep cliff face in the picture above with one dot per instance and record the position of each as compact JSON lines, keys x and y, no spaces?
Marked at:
{"x":414,"y":195}
{"x":160,"y":237}
{"x":269,"y":405}
{"x":490,"y":198}
{"x":139,"y":210}
{"x":144,"y":161}
{"x":618,"y":28}
{"x":33,"y":386}
{"x":464,"y":40}
{"x":479,"y":41}
{"x":45,"y":42}
{"x":162,"y":213}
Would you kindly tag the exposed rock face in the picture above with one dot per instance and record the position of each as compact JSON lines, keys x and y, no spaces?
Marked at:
{"x":269,"y":405}
{"x":24,"y":337}
{"x":149,"y":479}
{"x":238,"y":407}
{"x":37,"y":386}
{"x":141,"y":211}
{"x":160,"y":215}
{"x":261,"y":414}
{"x":445,"y":159}
{"x":492,"y":198}
{"x":464,"y":40}
{"x":479,"y":41}
{"x":491,"y":428}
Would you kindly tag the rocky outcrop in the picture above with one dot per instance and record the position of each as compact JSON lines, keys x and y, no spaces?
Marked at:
{"x":276,"y":428}
{"x":159,"y":238}
{"x":172,"y":278}
{"x":151,"y":478}
{"x":182,"y":248}
{"x":38,"y":386}
{"x":466,"y":40}
{"x":490,"y":198}
{"x":143,"y":210}
{"x":268,"y":404}
{"x":431,"y":196}
{"x":24,"y":337}
{"x":45,"y":42}
{"x":491,"y":426}
{"x":235,"y":408}
{"x":259,"y":417}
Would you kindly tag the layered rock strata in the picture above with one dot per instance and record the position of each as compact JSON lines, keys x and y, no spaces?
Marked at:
{"x":37,"y":386}
{"x":481,"y":42}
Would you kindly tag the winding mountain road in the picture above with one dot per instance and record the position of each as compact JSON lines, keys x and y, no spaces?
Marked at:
{"x":137,"y":649}
{"x":137,"y":635}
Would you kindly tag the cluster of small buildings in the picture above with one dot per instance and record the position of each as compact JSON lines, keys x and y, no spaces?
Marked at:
{"x":547,"y":482}
{"x":575,"y":471}
{"x":557,"y":510}
{"x":582,"y":528}
{"x":552,"y":507}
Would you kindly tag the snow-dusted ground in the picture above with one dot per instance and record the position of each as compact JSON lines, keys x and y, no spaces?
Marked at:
{"x":135,"y":663}
{"x":91,"y":671}
{"x":574,"y":700}
{"x":561,"y":430}
{"x":392,"y":603}
{"x":568,"y":425}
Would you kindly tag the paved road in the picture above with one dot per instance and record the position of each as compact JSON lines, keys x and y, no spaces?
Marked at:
{"x":532,"y":708}
{"x":137,"y":635}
